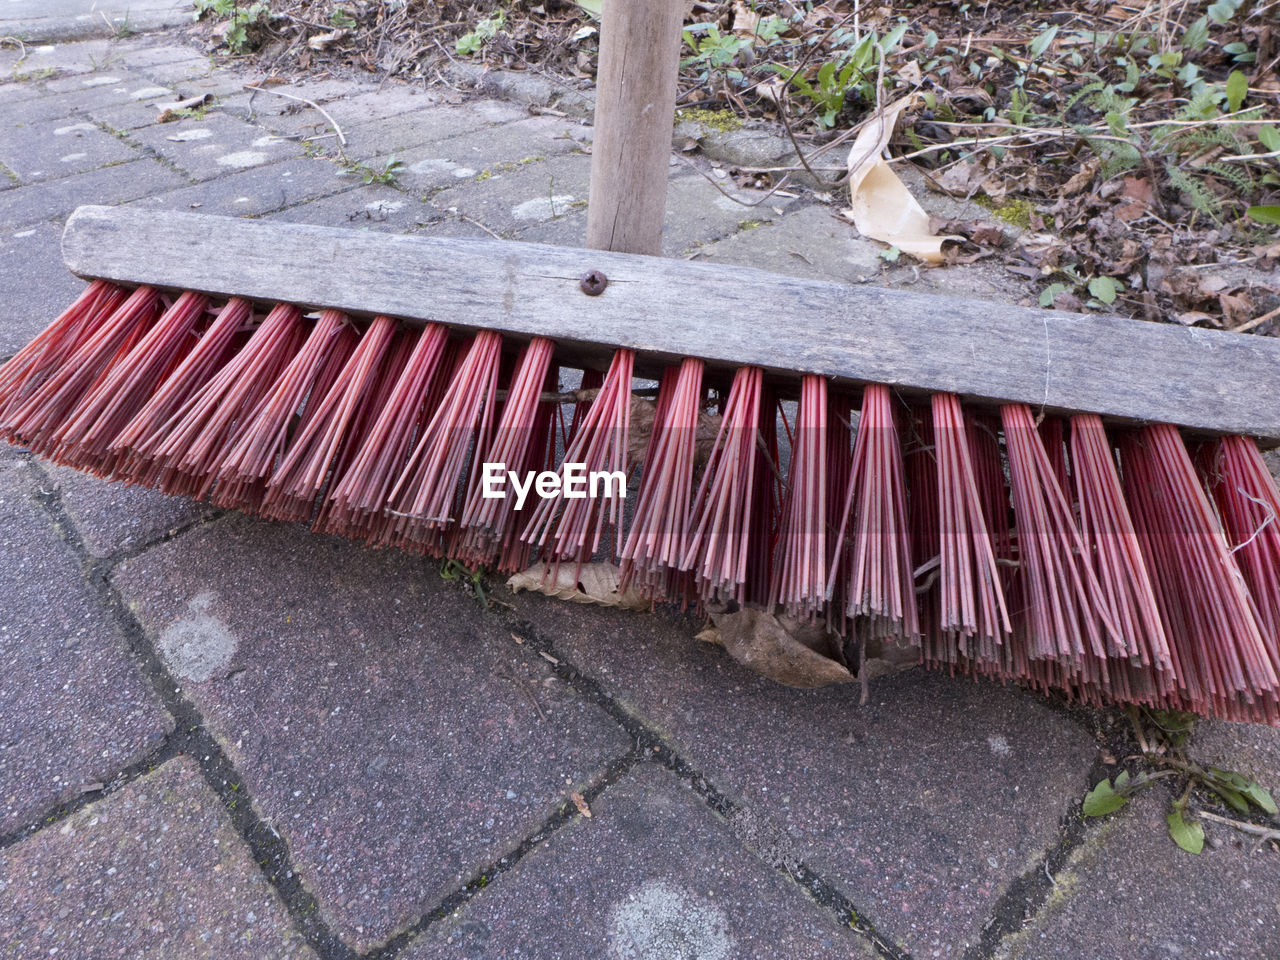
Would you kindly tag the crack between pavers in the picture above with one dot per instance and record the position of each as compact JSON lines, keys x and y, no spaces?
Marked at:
{"x":1024,"y":898}
{"x":564,"y":814}
{"x":192,"y":738}
{"x":650,"y":747}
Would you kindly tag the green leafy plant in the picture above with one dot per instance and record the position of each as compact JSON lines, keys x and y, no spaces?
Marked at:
{"x":1163,"y":740}
{"x":713,"y":50}
{"x":341,"y":19}
{"x":472,"y":580}
{"x":474,"y":41}
{"x":243,"y":16}
{"x":387,"y":175}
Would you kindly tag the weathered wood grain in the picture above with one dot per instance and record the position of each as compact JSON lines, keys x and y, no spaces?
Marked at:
{"x":635,"y":107}
{"x":1121,"y":368}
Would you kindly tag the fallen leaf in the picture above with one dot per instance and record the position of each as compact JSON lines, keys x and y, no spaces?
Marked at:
{"x":595,"y":583}
{"x":979,"y":231}
{"x":880,"y":205}
{"x":1190,"y":318}
{"x":761,"y":641}
{"x":580,"y":802}
{"x":960,"y":179}
{"x":1081,"y":179}
{"x":885,"y":657}
{"x":321,"y":41}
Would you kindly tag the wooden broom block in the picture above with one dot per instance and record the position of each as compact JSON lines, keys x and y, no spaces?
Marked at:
{"x":1124,"y":369}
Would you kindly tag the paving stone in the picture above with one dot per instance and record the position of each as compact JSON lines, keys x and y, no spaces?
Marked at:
{"x":57,"y":198}
{"x":34,"y":289}
{"x":429,"y":126}
{"x":1129,"y":892}
{"x":148,"y":52}
{"x":921,"y":806}
{"x":73,"y":98}
{"x":111,"y":517}
{"x":490,"y":151}
{"x":50,"y":58}
{"x":653,"y":873}
{"x":370,"y":207}
{"x":186,"y":70}
{"x":112,"y":75}
{"x":385,"y":724}
{"x":251,"y":193}
{"x":19,"y":92}
{"x":1252,"y":749}
{"x":216,"y":145}
{"x":514,"y":201}
{"x":564,"y":230}
{"x":152,"y":870}
{"x":284,"y":99}
{"x":72,"y":19}
{"x":73,"y":708}
{"x":53,"y":149}
{"x":810,"y":242}
{"x":698,"y":213}
{"x":123,"y":115}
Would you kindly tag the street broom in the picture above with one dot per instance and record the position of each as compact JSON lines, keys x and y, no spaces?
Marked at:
{"x":1075,"y":502}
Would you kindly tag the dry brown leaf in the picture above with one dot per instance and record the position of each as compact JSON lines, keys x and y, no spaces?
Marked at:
{"x":321,"y":41}
{"x":596,"y":583}
{"x":784,"y":652}
{"x":880,"y":205}
{"x":580,"y":802}
{"x":1081,"y":179}
{"x":960,"y":179}
{"x":745,"y":20}
{"x":885,"y":657}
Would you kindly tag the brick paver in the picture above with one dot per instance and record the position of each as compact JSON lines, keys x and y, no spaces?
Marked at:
{"x":411,"y":761}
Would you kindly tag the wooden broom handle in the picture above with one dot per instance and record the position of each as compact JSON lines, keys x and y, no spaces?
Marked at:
{"x":635,"y":110}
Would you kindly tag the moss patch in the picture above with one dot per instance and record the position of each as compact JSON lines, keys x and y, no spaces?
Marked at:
{"x":721,"y":120}
{"x":1017,"y":212}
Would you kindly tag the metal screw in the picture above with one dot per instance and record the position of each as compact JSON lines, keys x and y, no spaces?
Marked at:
{"x":593,"y":283}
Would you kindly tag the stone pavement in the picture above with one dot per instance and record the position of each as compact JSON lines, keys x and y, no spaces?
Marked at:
{"x":224,"y":737}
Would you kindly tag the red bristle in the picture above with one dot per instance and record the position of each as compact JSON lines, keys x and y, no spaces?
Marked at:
{"x":839,"y":432}
{"x":1066,"y":610}
{"x":1249,"y":505}
{"x":256,"y":443}
{"x":128,"y":385}
{"x":192,"y":442}
{"x":881,"y":588}
{"x":516,"y":553}
{"x":723,"y":535}
{"x":920,"y":468}
{"x":29,"y":368}
{"x":571,"y":529}
{"x":424,"y":498}
{"x":972,"y":601}
{"x":145,"y":430}
{"x":660,"y":523}
{"x":1112,"y":545}
{"x":361,"y":494}
{"x":800,"y":564}
{"x":591,"y":380}
{"x":766,"y":502}
{"x":298,"y":480}
{"x":35,"y":420}
{"x":489,"y":523}
{"x":364,"y":419}
{"x":1222,"y":661}
{"x":1053,"y":435}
